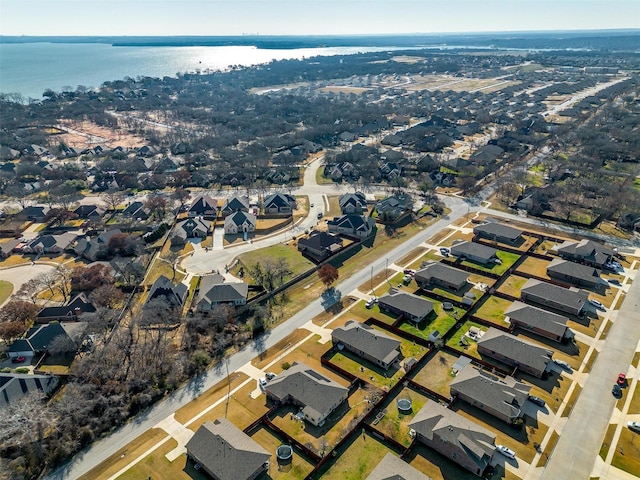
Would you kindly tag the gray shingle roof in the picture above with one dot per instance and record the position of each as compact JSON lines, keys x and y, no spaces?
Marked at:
{"x":394,"y":468}
{"x":369,"y":340}
{"x":587,"y":249}
{"x":226,"y":451}
{"x":308,"y":387}
{"x":440,"y":271}
{"x":473,"y":249}
{"x":471,"y":439}
{"x":505,"y":395}
{"x":538,"y":318}
{"x":175,"y":294}
{"x":214,"y":290}
{"x":570,"y":297}
{"x":515,"y":349}
{"x":407,"y":302}
{"x":574,"y":270}
{"x":498,"y":229}
{"x":14,"y":386}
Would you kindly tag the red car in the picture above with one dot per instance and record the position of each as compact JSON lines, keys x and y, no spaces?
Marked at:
{"x":18,"y":359}
{"x":622,"y":378}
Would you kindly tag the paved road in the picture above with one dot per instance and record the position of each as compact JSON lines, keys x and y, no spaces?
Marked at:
{"x":103,"y":449}
{"x":22,"y":274}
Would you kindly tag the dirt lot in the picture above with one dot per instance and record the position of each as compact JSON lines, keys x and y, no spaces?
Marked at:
{"x":87,"y":134}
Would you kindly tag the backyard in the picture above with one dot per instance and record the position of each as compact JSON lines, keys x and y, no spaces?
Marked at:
{"x":436,"y":375}
{"x":395,"y":423}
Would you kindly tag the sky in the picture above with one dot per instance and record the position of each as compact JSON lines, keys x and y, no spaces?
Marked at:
{"x":309,"y":17}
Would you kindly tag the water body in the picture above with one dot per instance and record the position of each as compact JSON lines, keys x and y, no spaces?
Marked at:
{"x":31,"y":68}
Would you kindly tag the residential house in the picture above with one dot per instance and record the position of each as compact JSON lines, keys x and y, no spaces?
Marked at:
{"x":353,"y":203}
{"x":93,"y":248}
{"x":227,"y":453}
{"x":586,"y":251}
{"x":164,"y":289}
{"x":35,"y":213}
{"x":235,"y":204}
{"x":501,"y":397}
{"x":347,"y":137}
{"x":302,"y":386}
{"x":203,"y":206}
{"x":452,"y":435}
{"x":92,"y":213}
{"x":37,"y":150}
{"x":367,"y":342}
{"x":412,"y":306}
{"x":392,"y":209}
{"x":538,"y":321}
{"x":137,"y":210}
{"x":319,"y":245}
{"x":214,"y":291}
{"x":50,"y":243}
{"x":515,"y":352}
{"x":73,"y":310}
{"x":279,"y":203}
{"x":392,"y":467}
{"x":15,"y":386}
{"x":486,"y":155}
{"x":354,"y":225}
{"x":7,"y":247}
{"x":567,"y":300}
{"x":475,"y":252}
{"x":440,"y":275}
{"x":38,"y":339}
{"x":575,"y":273}
{"x":148,"y":151}
{"x":190,"y":228}
{"x":341,"y":170}
{"x":499,"y":232}
{"x":239,"y":222}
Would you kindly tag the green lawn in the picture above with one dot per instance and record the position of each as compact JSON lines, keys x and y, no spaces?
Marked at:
{"x":395,"y":423}
{"x":442,"y":322}
{"x":512,"y":285}
{"x":360,"y":458}
{"x":471,"y":347}
{"x":507,"y":258}
{"x":492,"y":310}
{"x":6,"y":288}
{"x":296,"y":262}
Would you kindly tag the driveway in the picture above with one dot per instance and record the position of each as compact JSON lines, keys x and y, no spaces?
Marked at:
{"x":22,"y":274}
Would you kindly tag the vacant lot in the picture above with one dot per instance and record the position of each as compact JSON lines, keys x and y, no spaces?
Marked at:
{"x":295,"y":261}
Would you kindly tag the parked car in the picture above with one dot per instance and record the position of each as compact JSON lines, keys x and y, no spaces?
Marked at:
{"x":319,"y":215}
{"x":635,"y":426}
{"x":409,"y":271}
{"x":311,"y":205}
{"x":18,"y":359}
{"x":370,"y":303}
{"x":407,"y":279}
{"x":537,"y":400}
{"x":562,"y":363}
{"x":444,"y":251}
{"x":507,"y":452}
{"x":622,"y":379}
{"x":597,"y":304}
{"x":616,"y":390}
{"x":270,"y":375}
{"x":263,"y":383}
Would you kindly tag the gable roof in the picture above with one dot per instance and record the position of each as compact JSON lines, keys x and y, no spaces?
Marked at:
{"x":78,"y":305}
{"x":368,"y":340}
{"x":214,"y":290}
{"x":498,"y":229}
{"x":505,"y":395}
{"x":84,"y":211}
{"x":240,"y":218}
{"x":476,"y":442}
{"x":202,"y":204}
{"x":587,"y":249}
{"x":394,"y":468}
{"x":574,"y":270}
{"x":226,"y":451}
{"x":513,"y":348}
{"x":321,"y":241}
{"x":236,"y":203}
{"x":441,"y":271}
{"x":357,"y":223}
{"x":538,"y":318}
{"x":407,"y":302}
{"x":190,"y":225}
{"x":62,"y":240}
{"x":571,"y":297}
{"x":14,"y":386}
{"x":175,"y":294}
{"x":473,"y":249}
{"x":356,"y":199}
{"x":316,"y":392}
{"x":279,"y":200}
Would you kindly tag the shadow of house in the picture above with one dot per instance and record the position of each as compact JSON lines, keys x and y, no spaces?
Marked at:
{"x":464,"y":442}
{"x":501,"y":397}
{"x":316,"y":395}
{"x":367,"y":342}
{"x":512,"y":351}
{"x":227,"y":453}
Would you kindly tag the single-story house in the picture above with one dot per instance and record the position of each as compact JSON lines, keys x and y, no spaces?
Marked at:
{"x":7,"y":247}
{"x":486,"y":155}
{"x":319,"y":245}
{"x":354,"y":225}
{"x":279,"y":203}
{"x":203,"y":206}
{"x":214,"y":291}
{"x":499,"y":232}
{"x":539,"y":321}
{"x":353,"y":203}
{"x":164,"y":289}
{"x":367,"y":342}
{"x":239,"y":222}
{"x":235,"y":204}
{"x":575,"y":273}
{"x":136,"y":210}
{"x":92,"y":248}
{"x":412,"y":306}
{"x":190,"y":228}
{"x":567,"y":300}
{"x":501,"y":397}
{"x":227,"y":453}
{"x":14,"y":386}
{"x":475,"y":252}
{"x":392,"y":467}
{"x":35,"y":213}
{"x":515,"y":352}
{"x":393,"y":208}
{"x":93,"y":213}
{"x":586,"y":251}
{"x":463,"y":441}
{"x":316,"y":394}
{"x":50,"y":243}
{"x":71,"y":311}
{"x":440,"y":274}
{"x":39,"y":338}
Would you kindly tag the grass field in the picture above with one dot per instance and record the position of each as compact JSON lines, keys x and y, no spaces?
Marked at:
{"x":395,"y":423}
{"x":6,"y":288}
{"x":492,"y":310}
{"x":436,"y":374}
{"x":606,"y":441}
{"x":470,"y":347}
{"x":361,"y":456}
{"x":627,"y":456}
{"x":296,"y":262}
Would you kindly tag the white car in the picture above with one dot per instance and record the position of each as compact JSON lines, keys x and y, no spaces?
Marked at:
{"x":562,"y":363}
{"x":507,"y":452}
{"x":263,"y":383}
{"x":597,"y":304}
{"x":370,"y":303}
{"x":635,"y":426}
